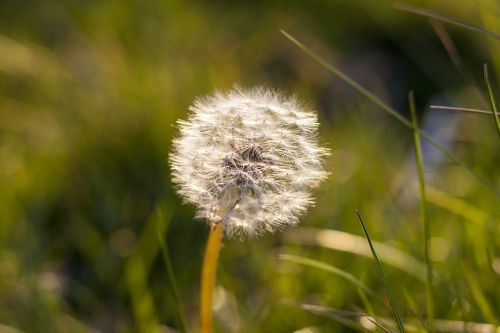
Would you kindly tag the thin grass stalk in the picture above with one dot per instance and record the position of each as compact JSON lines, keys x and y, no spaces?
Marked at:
{"x":181,"y":322}
{"x":386,"y":324}
{"x":366,"y":302}
{"x":383,"y":276}
{"x":452,"y":51}
{"x":374,"y":99}
{"x":329,"y":268}
{"x":438,"y":16}
{"x":479,"y":296}
{"x":374,"y":322}
{"x":423,"y":212}
{"x":457,"y":108}
{"x":491,"y":98}
{"x":208,"y":278}
{"x":454,"y":55}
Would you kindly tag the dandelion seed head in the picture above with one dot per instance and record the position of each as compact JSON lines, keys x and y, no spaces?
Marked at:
{"x":248,"y":159}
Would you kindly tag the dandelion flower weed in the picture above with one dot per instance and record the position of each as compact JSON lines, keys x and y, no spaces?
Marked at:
{"x":248,"y":159}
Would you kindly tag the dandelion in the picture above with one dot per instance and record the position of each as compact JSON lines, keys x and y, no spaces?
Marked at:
{"x":248,"y":159}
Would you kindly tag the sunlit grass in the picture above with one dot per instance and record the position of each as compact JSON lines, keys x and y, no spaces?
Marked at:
{"x":94,"y":239}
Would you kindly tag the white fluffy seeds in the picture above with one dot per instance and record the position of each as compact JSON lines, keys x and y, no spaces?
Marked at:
{"x":248,"y":159}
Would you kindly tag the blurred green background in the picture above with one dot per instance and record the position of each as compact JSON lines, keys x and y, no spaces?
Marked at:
{"x":89,"y":95}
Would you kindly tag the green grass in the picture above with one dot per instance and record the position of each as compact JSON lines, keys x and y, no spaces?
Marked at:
{"x":374,"y":99}
{"x":93,"y":237}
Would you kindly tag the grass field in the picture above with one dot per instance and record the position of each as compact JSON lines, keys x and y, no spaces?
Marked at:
{"x":91,"y":225}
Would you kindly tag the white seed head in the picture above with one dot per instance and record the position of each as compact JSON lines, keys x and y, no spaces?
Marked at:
{"x":248,"y":159}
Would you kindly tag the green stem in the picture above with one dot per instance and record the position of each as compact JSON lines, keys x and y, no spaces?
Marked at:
{"x":423,"y":211}
{"x":492,"y":98}
{"x":382,"y":275}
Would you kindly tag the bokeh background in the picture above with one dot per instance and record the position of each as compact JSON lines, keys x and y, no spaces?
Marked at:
{"x":90,"y":92}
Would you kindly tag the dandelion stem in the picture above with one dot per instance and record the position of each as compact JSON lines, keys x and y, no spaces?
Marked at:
{"x":208,"y":277}
{"x":423,"y":212}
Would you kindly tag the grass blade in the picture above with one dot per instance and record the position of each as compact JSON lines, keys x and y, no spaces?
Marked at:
{"x":136,"y":274}
{"x":457,"y":108}
{"x":431,"y":14}
{"x":411,"y":325}
{"x":329,"y":268}
{"x":161,"y":228}
{"x":457,"y":206}
{"x":454,"y":55}
{"x":141,"y":297}
{"x":374,"y":99}
{"x":382,"y":275}
{"x":353,"y":320}
{"x":423,"y":211}
{"x":382,"y":328}
{"x":349,"y":81}
{"x":479,"y":296}
{"x":346,"y":242}
{"x":492,"y":98}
